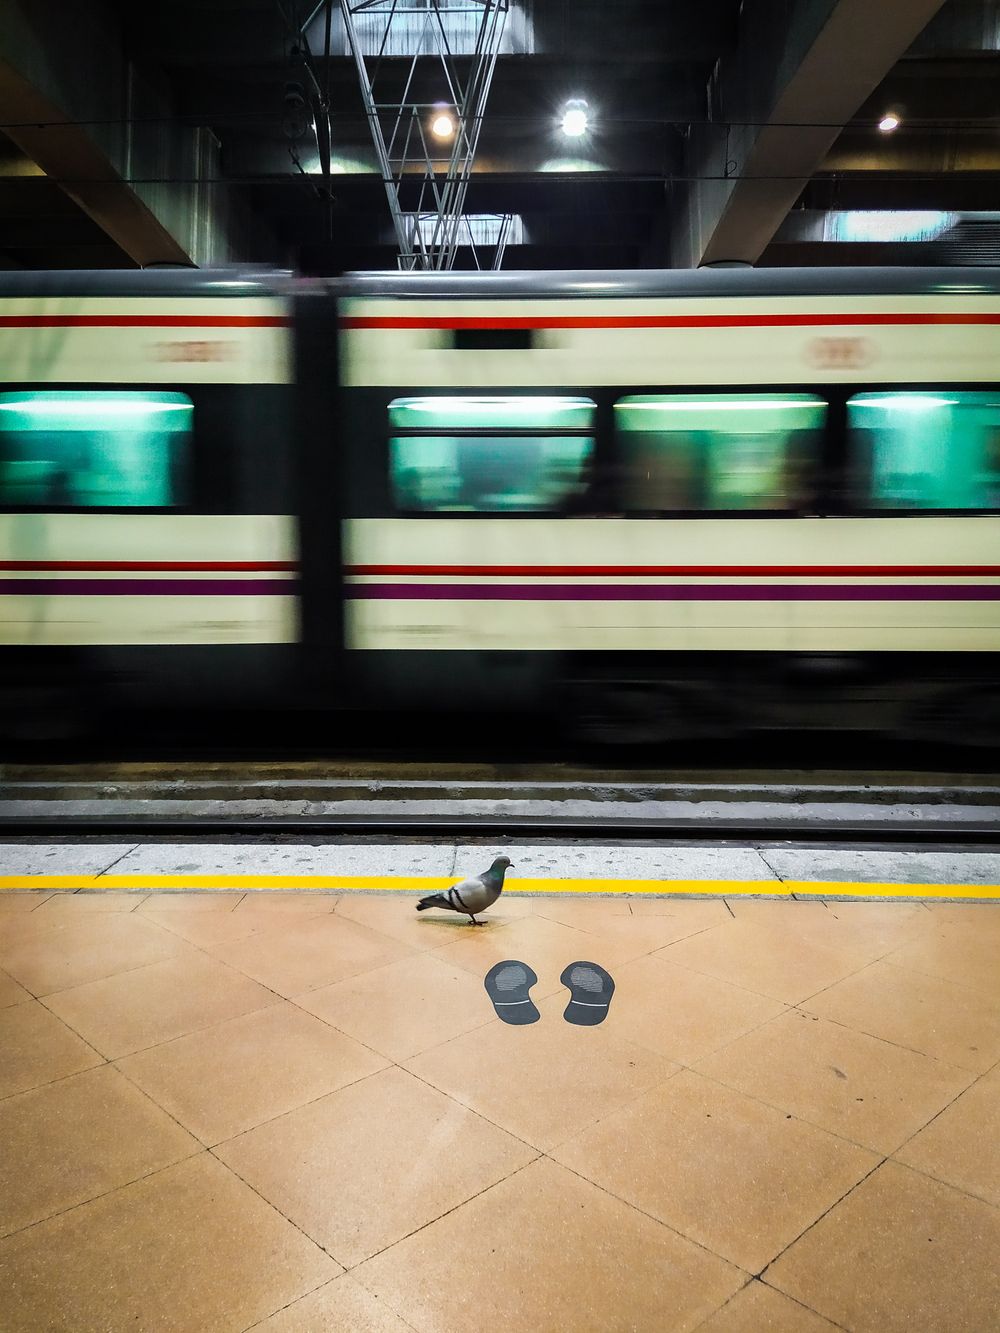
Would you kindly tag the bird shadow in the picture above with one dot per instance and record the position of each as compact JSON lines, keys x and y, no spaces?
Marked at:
{"x":444,"y":923}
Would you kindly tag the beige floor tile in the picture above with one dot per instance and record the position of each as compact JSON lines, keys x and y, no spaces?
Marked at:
{"x":959,"y":954}
{"x":512,"y":906}
{"x":913,"y":1009}
{"x":11,"y":992}
{"x":854,"y":1085}
{"x":865,"y":931}
{"x":961,"y":1147}
{"x":396,"y":915}
{"x":227,"y":1078}
{"x":35,"y":1048}
{"x":188,"y":1250}
{"x":900,"y":1253}
{"x":102,"y":900}
{"x":265,"y":902}
{"x":19,"y":927}
{"x":71,"y":952}
{"x":341,"y":1306}
{"x":133,"y":1010}
{"x":881,"y":918}
{"x":783,"y":966}
{"x":77,"y":1138}
{"x":982,"y":919}
{"x":206,"y":928}
{"x":583,"y":912}
{"x":544,"y":1082}
{"x":698,"y":913}
{"x":17,"y":900}
{"x":760,"y":1309}
{"x":738,"y":1177}
{"x":364,"y":1167}
{"x":559,"y":1254}
{"x":548,"y":946}
{"x":405,"y":1007}
{"x":778,"y":913}
{"x":681,"y":1014}
{"x":185,"y":900}
{"x":626,"y":937}
{"x":295,"y":954}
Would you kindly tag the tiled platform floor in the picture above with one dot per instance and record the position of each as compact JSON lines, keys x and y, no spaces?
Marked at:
{"x":298,"y":1112}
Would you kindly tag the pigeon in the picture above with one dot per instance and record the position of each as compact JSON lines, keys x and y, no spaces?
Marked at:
{"x":472,"y":895}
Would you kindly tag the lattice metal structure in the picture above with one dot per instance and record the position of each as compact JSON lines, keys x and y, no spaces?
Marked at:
{"x":402,"y":48}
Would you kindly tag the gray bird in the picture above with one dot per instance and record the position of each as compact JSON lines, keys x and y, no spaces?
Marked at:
{"x":472,"y":895}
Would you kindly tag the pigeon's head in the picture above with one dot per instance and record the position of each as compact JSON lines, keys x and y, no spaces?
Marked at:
{"x":501,"y":864}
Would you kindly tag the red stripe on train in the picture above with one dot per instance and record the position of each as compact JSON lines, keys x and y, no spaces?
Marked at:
{"x":144,"y":321}
{"x":656,"y":571}
{"x":656,"y":321}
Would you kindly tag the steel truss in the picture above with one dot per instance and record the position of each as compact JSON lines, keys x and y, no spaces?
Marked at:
{"x":426,"y":180}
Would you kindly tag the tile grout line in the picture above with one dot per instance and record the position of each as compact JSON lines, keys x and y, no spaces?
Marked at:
{"x":816,"y":1221}
{"x":329,"y":1282}
{"x":921,"y":972}
{"x":937,"y":1114}
{"x":946,"y":1184}
{"x":783,"y":1110}
{"x":767,"y":1287}
{"x":540,"y":1155}
{"x":897,"y":1045}
{"x":61,"y":1078}
{"x":652,"y":1217}
{"x":104,"y":1194}
{"x":210,"y":1151}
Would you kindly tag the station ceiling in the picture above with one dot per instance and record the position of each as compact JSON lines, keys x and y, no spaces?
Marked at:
{"x":721,"y":131}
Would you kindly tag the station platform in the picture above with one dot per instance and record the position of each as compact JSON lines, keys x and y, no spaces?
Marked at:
{"x":247,"y":1086}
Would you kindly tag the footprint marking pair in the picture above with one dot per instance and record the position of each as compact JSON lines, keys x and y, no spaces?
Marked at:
{"x":590,"y":987}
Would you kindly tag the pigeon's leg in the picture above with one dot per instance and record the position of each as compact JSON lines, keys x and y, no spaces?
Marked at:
{"x":475,"y":922}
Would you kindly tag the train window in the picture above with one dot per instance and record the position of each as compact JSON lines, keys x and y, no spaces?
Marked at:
{"x":480,"y":454}
{"x":712,"y":451}
{"x":93,"y":449}
{"x":925,"y":450}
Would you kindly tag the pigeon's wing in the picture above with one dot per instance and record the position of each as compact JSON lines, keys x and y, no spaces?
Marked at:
{"x":474,"y":894}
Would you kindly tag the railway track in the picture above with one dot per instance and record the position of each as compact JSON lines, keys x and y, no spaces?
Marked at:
{"x":842,"y":833}
{"x":405,"y":801}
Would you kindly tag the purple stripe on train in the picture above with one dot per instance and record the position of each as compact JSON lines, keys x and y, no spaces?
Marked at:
{"x":678,"y":592}
{"x":149,"y":587}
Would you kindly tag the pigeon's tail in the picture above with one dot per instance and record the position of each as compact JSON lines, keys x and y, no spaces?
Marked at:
{"x":433,"y":900}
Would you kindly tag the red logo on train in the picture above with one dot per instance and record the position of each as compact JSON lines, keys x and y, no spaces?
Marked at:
{"x":840,"y":353}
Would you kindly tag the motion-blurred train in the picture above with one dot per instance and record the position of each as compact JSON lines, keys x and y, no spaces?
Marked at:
{"x":664,"y":504}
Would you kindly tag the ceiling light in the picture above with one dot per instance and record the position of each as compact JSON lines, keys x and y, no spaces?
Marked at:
{"x":442,"y":126}
{"x":889,"y":122}
{"x":575,"y":120}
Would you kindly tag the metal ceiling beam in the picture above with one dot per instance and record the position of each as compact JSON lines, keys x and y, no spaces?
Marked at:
{"x":66,"y":153}
{"x":104,"y":132}
{"x":780,"y":104}
{"x":426,"y":183}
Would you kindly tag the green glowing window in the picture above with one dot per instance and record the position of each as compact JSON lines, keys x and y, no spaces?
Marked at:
{"x":489,"y":454}
{"x":93,"y":449}
{"x":925,"y":450}
{"x":714,"y":451}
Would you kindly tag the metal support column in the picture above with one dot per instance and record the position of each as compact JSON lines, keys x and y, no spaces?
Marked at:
{"x":425,"y":184}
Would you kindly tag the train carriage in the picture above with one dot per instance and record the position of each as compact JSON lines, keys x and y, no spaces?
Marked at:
{"x":149,"y":545}
{"x":679,"y":502}
{"x":664,"y":504}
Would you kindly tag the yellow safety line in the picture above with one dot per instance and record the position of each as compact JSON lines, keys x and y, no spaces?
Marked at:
{"x":714,"y":888}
